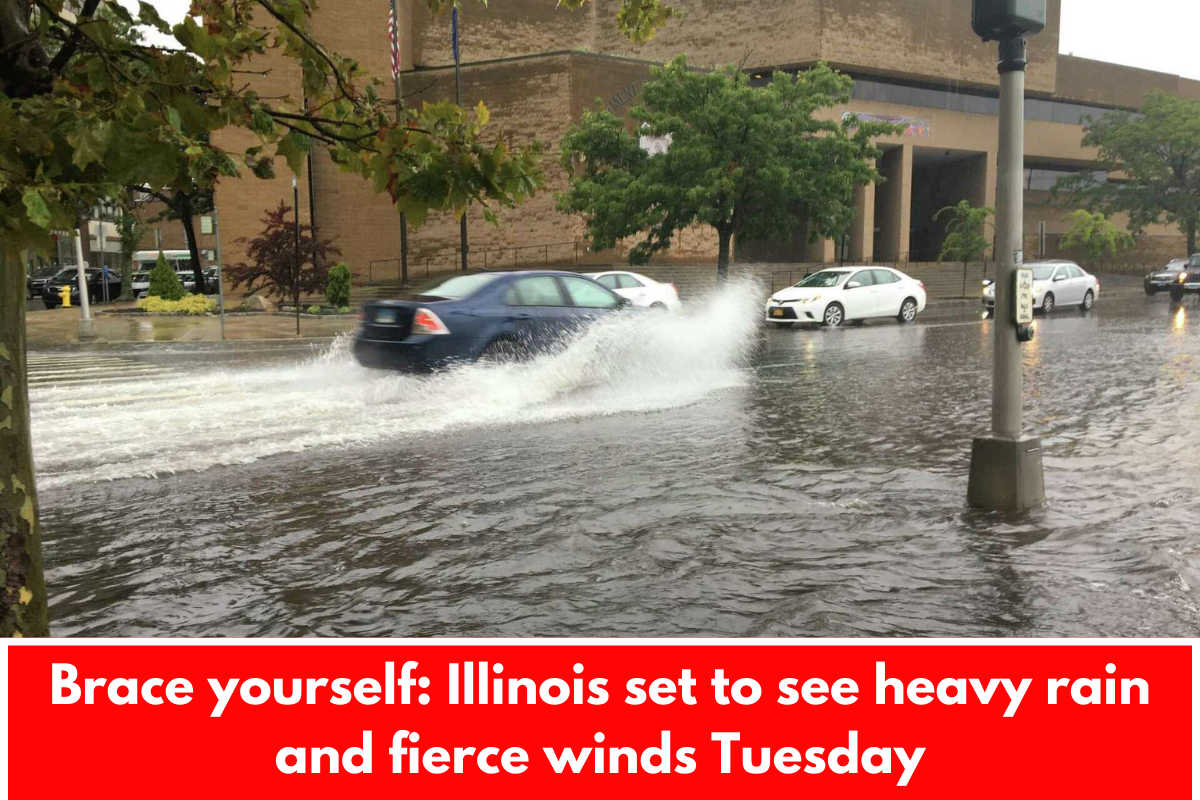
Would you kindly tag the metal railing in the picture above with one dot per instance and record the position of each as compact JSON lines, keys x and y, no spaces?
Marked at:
{"x":387,"y":270}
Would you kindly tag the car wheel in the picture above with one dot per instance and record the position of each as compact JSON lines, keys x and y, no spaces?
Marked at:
{"x":1089,"y":300}
{"x":1048,"y":304}
{"x":504,"y":351}
{"x":834,"y":316}
{"x":659,"y":306}
{"x":1176,"y":294}
{"x":908,"y":311}
{"x":1151,"y":291}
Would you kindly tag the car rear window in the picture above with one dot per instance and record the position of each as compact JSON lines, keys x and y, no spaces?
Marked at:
{"x":611,"y":281}
{"x":457,"y":287}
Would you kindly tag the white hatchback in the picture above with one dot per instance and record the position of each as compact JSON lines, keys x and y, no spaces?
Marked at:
{"x":1055,"y":283}
{"x":848,"y":294}
{"x":640,"y":290}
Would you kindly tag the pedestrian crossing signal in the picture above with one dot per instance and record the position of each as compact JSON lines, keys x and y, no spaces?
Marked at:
{"x":1007,"y":19}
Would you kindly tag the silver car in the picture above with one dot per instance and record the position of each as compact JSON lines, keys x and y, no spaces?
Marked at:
{"x":1163,"y":279}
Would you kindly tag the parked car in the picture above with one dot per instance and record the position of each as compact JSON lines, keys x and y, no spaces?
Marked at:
{"x":1188,"y":279}
{"x":483,"y":315}
{"x":140,"y":284}
{"x":36,"y":281}
{"x":1162,"y":279}
{"x":1055,"y":283}
{"x":643,"y":292}
{"x":95,"y":286}
{"x":832,"y":297}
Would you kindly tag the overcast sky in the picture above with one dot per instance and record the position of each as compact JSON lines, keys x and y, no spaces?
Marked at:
{"x":1153,"y":34}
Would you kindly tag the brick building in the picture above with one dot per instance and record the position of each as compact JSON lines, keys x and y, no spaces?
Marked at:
{"x":538,"y":68}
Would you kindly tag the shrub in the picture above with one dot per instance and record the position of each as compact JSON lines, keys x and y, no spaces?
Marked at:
{"x":192,"y":305}
{"x":164,"y":282}
{"x":344,"y":310}
{"x":314,"y":309}
{"x":337,"y":290}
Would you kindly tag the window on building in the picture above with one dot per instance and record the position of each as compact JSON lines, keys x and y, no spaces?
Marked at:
{"x":206,"y":225}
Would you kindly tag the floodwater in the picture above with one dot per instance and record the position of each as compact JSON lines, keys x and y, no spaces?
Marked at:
{"x":666,"y":475}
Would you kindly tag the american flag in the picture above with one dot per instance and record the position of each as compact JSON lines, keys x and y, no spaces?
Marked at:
{"x":394,"y":35}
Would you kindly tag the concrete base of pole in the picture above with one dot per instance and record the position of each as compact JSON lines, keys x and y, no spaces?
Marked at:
{"x":87,"y":330}
{"x":1006,"y":474}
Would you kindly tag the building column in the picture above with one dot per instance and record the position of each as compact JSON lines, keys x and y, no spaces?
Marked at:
{"x":895,"y":204}
{"x":862,"y":230}
{"x":823,"y":251}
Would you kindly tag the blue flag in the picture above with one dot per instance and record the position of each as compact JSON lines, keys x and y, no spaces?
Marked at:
{"x":454,"y":31}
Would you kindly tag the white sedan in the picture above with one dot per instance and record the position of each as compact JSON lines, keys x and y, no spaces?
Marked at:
{"x":848,"y":294}
{"x":640,"y":290}
{"x":1055,"y":283}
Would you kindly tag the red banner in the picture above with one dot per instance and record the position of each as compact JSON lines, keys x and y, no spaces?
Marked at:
{"x":305,"y":720}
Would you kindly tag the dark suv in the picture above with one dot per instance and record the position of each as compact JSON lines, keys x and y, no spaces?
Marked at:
{"x":69,"y":277}
{"x":1188,"y":279}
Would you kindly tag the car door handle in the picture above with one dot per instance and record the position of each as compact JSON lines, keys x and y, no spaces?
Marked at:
{"x":522,"y":315}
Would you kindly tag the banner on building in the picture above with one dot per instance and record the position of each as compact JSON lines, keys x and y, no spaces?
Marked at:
{"x":912,"y":125}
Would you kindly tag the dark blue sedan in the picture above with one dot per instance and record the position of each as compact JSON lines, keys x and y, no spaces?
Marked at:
{"x":469,"y":316}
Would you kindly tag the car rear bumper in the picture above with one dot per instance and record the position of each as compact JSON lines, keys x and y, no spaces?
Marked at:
{"x":415,"y":353}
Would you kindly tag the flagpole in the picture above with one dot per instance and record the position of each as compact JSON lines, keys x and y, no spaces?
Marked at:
{"x":394,"y":35}
{"x":458,"y":100}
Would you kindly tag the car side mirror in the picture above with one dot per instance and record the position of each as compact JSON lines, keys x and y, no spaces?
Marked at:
{"x":1058,"y":278}
{"x":624,"y":302}
{"x":853,"y":285}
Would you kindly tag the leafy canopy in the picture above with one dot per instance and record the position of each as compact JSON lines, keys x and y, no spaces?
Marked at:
{"x":741,"y":159}
{"x":964,"y":240}
{"x":1156,"y":154}
{"x":87,"y":110}
{"x":1094,"y":235}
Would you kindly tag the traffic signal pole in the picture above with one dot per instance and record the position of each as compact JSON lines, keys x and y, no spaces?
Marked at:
{"x":1006,"y":467}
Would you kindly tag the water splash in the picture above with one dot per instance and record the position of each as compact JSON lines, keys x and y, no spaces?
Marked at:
{"x":630,"y":362}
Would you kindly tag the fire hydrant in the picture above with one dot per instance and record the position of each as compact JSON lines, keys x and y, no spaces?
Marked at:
{"x":64,"y":294}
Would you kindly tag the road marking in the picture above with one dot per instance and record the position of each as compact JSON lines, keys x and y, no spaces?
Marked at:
{"x":50,"y":370}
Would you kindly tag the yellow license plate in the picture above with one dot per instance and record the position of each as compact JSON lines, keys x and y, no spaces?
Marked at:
{"x":776,"y":312}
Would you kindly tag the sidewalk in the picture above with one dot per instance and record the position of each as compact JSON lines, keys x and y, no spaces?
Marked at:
{"x":47,"y":329}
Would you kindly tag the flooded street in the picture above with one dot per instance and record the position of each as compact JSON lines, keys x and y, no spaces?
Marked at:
{"x":665,"y":476}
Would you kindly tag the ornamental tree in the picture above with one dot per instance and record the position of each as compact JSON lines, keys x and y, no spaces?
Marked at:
{"x":1156,"y":154}
{"x":274,"y":266}
{"x":740,"y":159}
{"x":87,"y":111}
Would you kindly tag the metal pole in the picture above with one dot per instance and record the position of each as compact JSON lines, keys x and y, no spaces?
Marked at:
{"x":1006,"y":467}
{"x":220,"y":270}
{"x":296,"y":252}
{"x":458,"y":101}
{"x":1010,"y":210}
{"x":86,"y":326}
{"x":395,"y":34}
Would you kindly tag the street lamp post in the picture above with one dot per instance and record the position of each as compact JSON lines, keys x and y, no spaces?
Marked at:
{"x":1006,"y":466}
{"x":216,"y":217}
{"x":87,"y":326}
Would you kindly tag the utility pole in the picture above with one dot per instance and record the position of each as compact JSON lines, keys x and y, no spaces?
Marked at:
{"x":458,"y":100}
{"x":1006,"y":467}
{"x":394,"y":29}
{"x":296,"y":252}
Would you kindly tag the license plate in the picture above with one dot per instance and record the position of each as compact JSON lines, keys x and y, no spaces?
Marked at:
{"x":776,"y":312}
{"x":386,"y":317}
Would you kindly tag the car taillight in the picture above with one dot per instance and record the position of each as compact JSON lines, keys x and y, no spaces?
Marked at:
{"x":427,"y":322}
{"x":921,"y":284}
{"x":673,"y":289}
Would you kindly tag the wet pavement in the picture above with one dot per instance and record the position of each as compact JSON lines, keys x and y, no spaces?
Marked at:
{"x":667,"y":476}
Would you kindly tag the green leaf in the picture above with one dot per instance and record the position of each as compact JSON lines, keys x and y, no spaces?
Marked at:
{"x":294,"y":149}
{"x":36,"y":208}
{"x":174,"y":119}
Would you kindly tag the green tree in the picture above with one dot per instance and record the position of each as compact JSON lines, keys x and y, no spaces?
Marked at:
{"x":87,"y":111}
{"x":1093,"y":235}
{"x":337,"y":289}
{"x":1157,"y":154}
{"x":164,"y":282}
{"x":964,"y":240}
{"x":740,"y":159}
{"x":131,"y":229}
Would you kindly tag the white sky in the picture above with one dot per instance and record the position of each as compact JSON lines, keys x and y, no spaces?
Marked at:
{"x":1153,"y":34}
